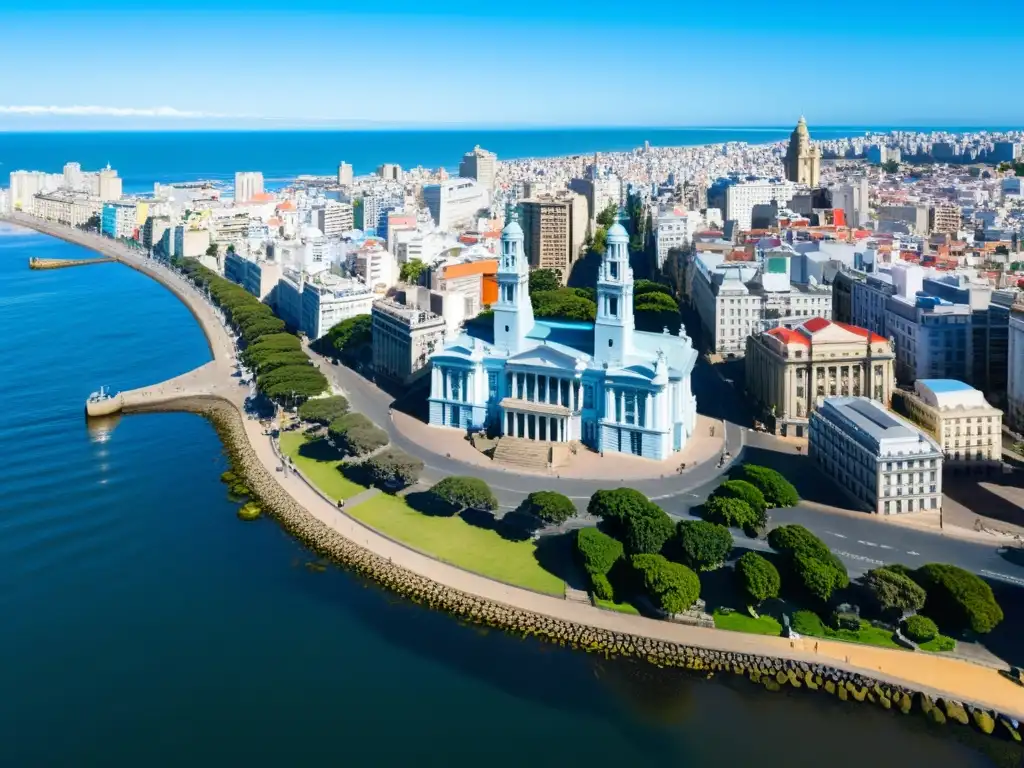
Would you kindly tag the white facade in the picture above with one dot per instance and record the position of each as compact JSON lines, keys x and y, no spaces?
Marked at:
{"x":25,"y":185}
{"x":333,"y":218}
{"x":404,"y":338}
{"x":454,"y":203}
{"x":960,"y":419}
{"x":328,"y":299}
{"x":258,"y":276}
{"x":344,"y":174}
{"x":376,"y":267}
{"x":883,"y":461}
{"x":740,"y":198}
{"x":605,"y":385}
{"x":66,"y":208}
{"x":675,"y":229}
{"x":248,"y":184}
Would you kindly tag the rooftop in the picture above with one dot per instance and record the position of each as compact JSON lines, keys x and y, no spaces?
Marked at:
{"x":940,"y":386}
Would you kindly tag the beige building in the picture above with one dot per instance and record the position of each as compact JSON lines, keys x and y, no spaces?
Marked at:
{"x":66,"y":208}
{"x":968,"y":429}
{"x":790,"y":371}
{"x":404,"y":338}
{"x":480,"y":165}
{"x":803,"y":159}
{"x":554,"y":228}
{"x":108,"y":185}
{"x":946,"y":219}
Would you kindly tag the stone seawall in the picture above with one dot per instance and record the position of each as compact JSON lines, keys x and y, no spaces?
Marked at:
{"x":769,"y":672}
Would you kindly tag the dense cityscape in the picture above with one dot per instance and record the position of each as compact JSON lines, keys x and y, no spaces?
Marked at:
{"x":799,"y":362}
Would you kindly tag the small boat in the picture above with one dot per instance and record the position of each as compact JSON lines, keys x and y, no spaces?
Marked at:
{"x":101,"y":396}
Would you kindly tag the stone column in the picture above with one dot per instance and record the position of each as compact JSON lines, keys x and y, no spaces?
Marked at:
{"x":609,"y":405}
{"x":515,"y":386}
{"x":648,"y":404}
{"x":572,"y":395}
{"x":622,"y":407}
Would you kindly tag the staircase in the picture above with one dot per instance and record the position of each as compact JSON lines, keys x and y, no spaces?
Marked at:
{"x":531,"y":455}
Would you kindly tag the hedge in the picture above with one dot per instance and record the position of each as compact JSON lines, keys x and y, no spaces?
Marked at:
{"x":958,"y":599}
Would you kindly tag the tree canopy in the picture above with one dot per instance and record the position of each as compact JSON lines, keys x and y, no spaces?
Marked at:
{"x":776,"y":489}
{"x":608,"y":216}
{"x":550,"y":506}
{"x":895,"y":591}
{"x":411,"y":271}
{"x":704,"y":546}
{"x":642,"y":287}
{"x":641,"y":524}
{"x":599,"y":553}
{"x":958,"y":599}
{"x":356,"y":435}
{"x":393,"y":467}
{"x":465,"y":493}
{"x":673,"y":587}
{"x":565,"y":303}
{"x":281,"y":359}
{"x":741,"y":489}
{"x":350,"y":334}
{"x":545,"y":280}
{"x":323,"y":410}
{"x":654,"y":311}
{"x":295,"y":382}
{"x":757,"y":577}
{"x":819,"y":571}
{"x":734,"y":513}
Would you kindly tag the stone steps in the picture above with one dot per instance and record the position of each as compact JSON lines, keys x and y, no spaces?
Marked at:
{"x":526,"y":454}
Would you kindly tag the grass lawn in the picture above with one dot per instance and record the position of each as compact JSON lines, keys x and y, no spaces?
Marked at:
{"x":455,"y":541}
{"x":808,"y":623}
{"x":939,"y":645}
{"x":611,"y":605}
{"x":740,"y":621}
{"x":324,"y":474}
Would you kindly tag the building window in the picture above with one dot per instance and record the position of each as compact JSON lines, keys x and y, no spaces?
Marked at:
{"x":454,"y":416}
{"x":492,"y":384}
{"x":630,"y":399}
{"x":456,"y":380}
{"x":636,"y":443}
{"x":613,"y":306}
{"x":588,"y":395}
{"x":614,"y":267}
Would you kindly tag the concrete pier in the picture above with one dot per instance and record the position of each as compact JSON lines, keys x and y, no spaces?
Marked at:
{"x":205,"y":381}
{"x":34,"y":263}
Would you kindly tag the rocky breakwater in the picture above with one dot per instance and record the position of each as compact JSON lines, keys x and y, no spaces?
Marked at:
{"x":773,"y":674}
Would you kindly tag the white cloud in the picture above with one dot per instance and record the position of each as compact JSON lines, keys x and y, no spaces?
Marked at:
{"x":95,"y":111}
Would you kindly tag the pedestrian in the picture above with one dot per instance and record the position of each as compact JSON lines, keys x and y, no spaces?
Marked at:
{"x":815,"y":647}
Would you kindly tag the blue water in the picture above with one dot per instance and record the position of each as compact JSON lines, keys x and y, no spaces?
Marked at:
{"x":144,"y":157}
{"x":142,"y":624}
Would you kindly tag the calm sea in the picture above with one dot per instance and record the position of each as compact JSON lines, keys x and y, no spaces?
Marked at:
{"x":144,"y":625}
{"x":144,"y":157}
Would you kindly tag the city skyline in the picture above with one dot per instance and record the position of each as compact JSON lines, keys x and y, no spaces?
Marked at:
{"x":470,"y":66}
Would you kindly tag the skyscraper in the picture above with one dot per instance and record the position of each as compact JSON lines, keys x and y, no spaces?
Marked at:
{"x":480,"y":165}
{"x":248,"y":184}
{"x":803,"y":159}
{"x":344,"y":174}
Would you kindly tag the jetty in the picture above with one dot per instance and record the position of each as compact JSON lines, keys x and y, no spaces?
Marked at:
{"x":34,"y":263}
{"x":203,"y":382}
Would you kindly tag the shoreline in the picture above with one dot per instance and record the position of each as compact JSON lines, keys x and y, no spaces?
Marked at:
{"x":771,"y":662}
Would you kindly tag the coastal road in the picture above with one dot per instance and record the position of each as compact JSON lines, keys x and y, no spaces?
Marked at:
{"x":862,"y":542}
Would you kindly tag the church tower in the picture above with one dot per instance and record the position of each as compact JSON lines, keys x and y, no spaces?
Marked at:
{"x":513,"y":313}
{"x":613,"y":331}
{"x":803,"y":159}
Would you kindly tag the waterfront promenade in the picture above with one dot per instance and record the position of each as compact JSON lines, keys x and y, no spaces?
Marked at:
{"x":936,"y":675}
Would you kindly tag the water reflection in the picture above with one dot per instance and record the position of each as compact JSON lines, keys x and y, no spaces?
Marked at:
{"x":101,"y":428}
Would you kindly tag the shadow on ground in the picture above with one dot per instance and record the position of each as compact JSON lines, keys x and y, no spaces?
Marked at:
{"x":810,"y":482}
{"x":320,"y":450}
{"x":968,"y":491}
{"x":556,"y":554}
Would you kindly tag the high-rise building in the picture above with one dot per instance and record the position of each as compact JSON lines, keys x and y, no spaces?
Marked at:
{"x":72,"y":175}
{"x":480,"y":165}
{"x":344,"y":174}
{"x":248,"y":184}
{"x":333,"y":218}
{"x":803,"y":159}
{"x":455,"y":202}
{"x":741,"y":197}
{"x":390,"y":171}
{"x":1015,"y":367}
{"x":945,"y":219}
{"x":109,"y":185}
{"x":674,"y":230}
{"x":554,"y":229}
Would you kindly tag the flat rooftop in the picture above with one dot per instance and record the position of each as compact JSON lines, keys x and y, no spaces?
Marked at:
{"x":940,"y":386}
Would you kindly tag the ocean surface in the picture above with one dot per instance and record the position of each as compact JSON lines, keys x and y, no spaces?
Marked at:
{"x":144,"y":157}
{"x":144,"y":625}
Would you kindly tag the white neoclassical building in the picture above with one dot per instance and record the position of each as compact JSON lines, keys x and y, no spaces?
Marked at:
{"x":604,"y":384}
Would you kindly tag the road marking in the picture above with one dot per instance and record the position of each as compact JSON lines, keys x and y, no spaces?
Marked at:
{"x":1003,"y":577}
{"x":837,"y":535}
{"x":867,"y":543}
{"x":912,"y":552}
{"x":885,"y":546}
{"x":860,"y":558}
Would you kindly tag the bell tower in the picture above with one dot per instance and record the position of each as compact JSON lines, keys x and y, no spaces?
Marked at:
{"x":513,"y":313}
{"x":613,"y":331}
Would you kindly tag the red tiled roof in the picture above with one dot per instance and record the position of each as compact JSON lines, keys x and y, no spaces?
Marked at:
{"x":815,"y":324}
{"x":789,"y":336}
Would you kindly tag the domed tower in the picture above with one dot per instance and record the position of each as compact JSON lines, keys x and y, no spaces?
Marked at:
{"x":613,"y":331}
{"x":803,"y":159}
{"x":513,"y":313}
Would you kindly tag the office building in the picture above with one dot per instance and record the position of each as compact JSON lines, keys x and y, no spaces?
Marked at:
{"x":375,"y":266}
{"x":119,"y":220}
{"x":968,"y":429}
{"x":803,"y":159}
{"x":109,"y":189}
{"x":884,"y":462}
{"x":403,"y":340}
{"x":790,"y":371}
{"x":602,"y":190}
{"x":25,"y":185}
{"x":345,"y":174}
{"x":390,"y":171}
{"x":606,"y":385}
{"x":916,"y":218}
{"x":475,"y":279}
{"x":455,"y":203}
{"x":674,"y":231}
{"x":932,"y":337}
{"x":1005,"y":152}
{"x":945,"y":219}
{"x":258,"y":276}
{"x":66,"y":207}
{"x":481,"y":165}
{"x":333,"y":218}
{"x":742,"y":196}
{"x":328,"y":299}
{"x":555,"y":228}
{"x":248,"y":184}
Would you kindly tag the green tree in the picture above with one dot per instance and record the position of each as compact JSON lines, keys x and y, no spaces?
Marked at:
{"x":599,"y":244}
{"x":655,"y":311}
{"x":599,"y":553}
{"x":295,"y":383}
{"x":564,"y":303}
{"x":550,"y":506}
{"x":281,"y":359}
{"x":811,"y":561}
{"x":758,"y":578}
{"x":920,"y":629}
{"x":891,"y":166}
{"x":642,"y":525}
{"x":356,"y":435}
{"x":393,"y":467}
{"x":608,"y":216}
{"x":261,"y":326}
{"x":545,"y":280}
{"x":817,"y":576}
{"x":895,"y":592}
{"x":348,"y":336}
{"x":465,"y":493}
{"x":734,"y":513}
{"x":411,"y":271}
{"x":777,"y":490}
{"x":705,"y":546}
{"x":673,"y":587}
{"x":741,"y":489}
{"x":212,"y":250}
{"x":958,"y":599}
{"x":323,"y":410}
{"x":642,"y":287}
{"x":647,"y":532}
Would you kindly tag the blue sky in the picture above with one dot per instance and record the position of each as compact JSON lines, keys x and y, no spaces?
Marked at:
{"x":661,"y":62}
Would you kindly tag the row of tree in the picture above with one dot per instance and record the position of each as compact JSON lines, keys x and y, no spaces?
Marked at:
{"x":283,"y":370}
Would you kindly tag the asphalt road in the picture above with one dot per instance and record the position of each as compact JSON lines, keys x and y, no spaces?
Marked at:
{"x":862,"y":543}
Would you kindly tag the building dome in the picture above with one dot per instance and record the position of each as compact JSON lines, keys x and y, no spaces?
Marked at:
{"x":311,"y":233}
{"x":617,"y":233}
{"x":512,"y":229}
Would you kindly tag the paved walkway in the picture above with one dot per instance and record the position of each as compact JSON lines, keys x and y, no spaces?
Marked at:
{"x":938,"y":675}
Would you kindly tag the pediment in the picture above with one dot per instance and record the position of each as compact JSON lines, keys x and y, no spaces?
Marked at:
{"x":834,"y":334}
{"x":543,"y":357}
